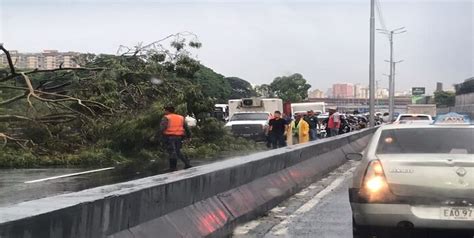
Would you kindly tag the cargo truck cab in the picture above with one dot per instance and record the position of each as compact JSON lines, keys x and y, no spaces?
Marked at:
{"x":249,"y":117}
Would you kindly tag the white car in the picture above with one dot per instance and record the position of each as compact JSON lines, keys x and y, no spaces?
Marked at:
{"x":386,"y":117}
{"x":413,"y":179}
{"x":414,"y":117}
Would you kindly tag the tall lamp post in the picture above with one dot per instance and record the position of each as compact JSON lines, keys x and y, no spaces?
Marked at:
{"x":391,"y":90}
{"x":372,"y":66}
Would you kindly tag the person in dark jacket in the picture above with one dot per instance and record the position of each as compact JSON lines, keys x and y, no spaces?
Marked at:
{"x":312,"y":120}
{"x":277,"y":130}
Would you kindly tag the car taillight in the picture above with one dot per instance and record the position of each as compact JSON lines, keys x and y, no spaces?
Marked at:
{"x":374,"y":186}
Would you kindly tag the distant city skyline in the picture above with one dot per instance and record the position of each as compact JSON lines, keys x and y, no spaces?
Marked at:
{"x":349,"y":90}
{"x":47,"y":59}
{"x":257,"y":40}
{"x":50,"y":59}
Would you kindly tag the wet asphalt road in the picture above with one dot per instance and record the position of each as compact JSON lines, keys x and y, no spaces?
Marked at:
{"x":322,"y":210}
{"x":331,"y":217}
{"x":13,"y":188}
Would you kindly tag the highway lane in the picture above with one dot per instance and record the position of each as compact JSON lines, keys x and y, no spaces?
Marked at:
{"x":322,"y":210}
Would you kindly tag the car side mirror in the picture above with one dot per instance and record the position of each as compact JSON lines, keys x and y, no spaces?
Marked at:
{"x":354,"y":156}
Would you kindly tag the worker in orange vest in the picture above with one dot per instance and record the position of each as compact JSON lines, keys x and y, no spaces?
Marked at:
{"x":174,"y":129}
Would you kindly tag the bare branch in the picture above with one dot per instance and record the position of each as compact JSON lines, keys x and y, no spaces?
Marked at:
{"x":156,"y":46}
{"x":9,"y":59}
{"x":14,"y":117}
{"x":57,"y":86}
{"x":20,"y":142}
{"x":11,"y":100}
{"x":31,"y":92}
{"x":11,"y":76}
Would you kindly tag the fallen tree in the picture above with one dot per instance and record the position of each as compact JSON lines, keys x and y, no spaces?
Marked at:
{"x":109,"y":108}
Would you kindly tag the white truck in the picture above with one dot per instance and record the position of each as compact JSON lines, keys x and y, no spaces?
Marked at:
{"x":428,"y":109}
{"x":317,"y":107}
{"x":249,"y":116}
{"x":221,"y":112}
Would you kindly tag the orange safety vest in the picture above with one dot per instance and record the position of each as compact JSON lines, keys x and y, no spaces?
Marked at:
{"x":175,"y":125}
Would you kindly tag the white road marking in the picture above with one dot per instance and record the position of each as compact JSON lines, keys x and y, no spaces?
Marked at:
{"x":242,"y":230}
{"x":282,"y":228}
{"x":69,"y":175}
{"x":278,"y":209}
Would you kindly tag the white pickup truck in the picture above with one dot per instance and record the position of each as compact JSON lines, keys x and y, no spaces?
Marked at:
{"x":249,"y":117}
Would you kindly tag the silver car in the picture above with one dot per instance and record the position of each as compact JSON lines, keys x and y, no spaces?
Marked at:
{"x":415,"y":179}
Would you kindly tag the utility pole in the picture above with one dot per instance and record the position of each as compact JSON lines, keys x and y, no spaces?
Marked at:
{"x":376,"y":90}
{"x":391,"y":83}
{"x":388,"y":76}
{"x":372,"y":66}
{"x":391,"y":89}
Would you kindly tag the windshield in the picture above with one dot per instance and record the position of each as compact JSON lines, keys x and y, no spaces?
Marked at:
{"x":427,"y":141}
{"x":250,"y":117}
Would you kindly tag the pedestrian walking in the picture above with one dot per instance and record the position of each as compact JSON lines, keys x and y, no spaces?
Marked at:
{"x":174,"y":130}
{"x":268,"y":136}
{"x":312,"y":120}
{"x":334,"y":122}
{"x":277,"y":130}
{"x":299,"y":130}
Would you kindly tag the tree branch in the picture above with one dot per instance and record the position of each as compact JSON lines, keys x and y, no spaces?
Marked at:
{"x":14,"y":117}
{"x":20,"y":142}
{"x":31,"y":92}
{"x":9,"y":59}
{"x":11,"y":100}
{"x":11,"y":76}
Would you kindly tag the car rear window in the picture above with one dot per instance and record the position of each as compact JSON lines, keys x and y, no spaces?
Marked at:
{"x":414,"y":118}
{"x":427,"y":141}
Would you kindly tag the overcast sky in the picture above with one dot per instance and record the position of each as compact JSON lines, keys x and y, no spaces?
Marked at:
{"x":257,"y":40}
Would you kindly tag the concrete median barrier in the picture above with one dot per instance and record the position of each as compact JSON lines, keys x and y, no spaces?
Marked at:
{"x":205,"y":201}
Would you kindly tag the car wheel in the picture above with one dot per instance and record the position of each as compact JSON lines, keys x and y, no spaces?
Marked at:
{"x":374,"y":232}
{"x":360,"y":231}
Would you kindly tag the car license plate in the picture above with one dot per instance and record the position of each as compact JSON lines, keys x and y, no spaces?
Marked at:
{"x":457,"y":213}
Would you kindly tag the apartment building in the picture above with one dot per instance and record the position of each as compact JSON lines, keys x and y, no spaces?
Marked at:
{"x":48,"y":59}
{"x":361,"y":91}
{"x":343,"y":90}
{"x":316,"y":94}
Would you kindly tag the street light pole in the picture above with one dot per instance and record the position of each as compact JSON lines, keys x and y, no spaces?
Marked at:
{"x":376,"y":90}
{"x":372,"y":65}
{"x":394,"y":64}
{"x":391,"y":89}
{"x":391,"y":79}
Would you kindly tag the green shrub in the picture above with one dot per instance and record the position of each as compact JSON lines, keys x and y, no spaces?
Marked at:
{"x":97,"y":157}
{"x":11,"y":158}
{"x":210,"y":130}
